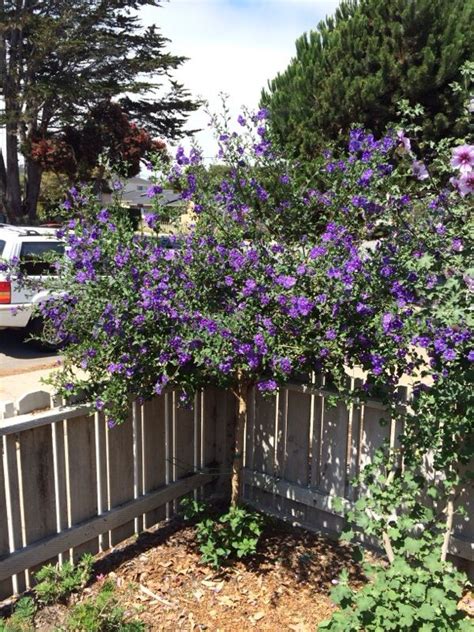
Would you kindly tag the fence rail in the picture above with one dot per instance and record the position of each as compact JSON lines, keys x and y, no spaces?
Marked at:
{"x":69,"y":484}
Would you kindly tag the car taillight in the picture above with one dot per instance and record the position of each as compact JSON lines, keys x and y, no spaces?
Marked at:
{"x":5,"y":292}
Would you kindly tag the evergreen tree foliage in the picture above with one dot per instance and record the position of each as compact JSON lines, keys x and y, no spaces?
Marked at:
{"x":356,"y":66}
{"x":59,"y":59}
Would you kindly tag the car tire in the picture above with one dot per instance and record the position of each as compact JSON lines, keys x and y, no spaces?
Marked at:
{"x":40,"y":335}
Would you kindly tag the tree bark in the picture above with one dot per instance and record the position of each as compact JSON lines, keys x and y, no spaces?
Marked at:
{"x":13,"y":170}
{"x":33,"y":174}
{"x":387,"y":544}
{"x":9,"y":73}
{"x":3,"y":189}
{"x":239,"y":437}
{"x":449,"y":525}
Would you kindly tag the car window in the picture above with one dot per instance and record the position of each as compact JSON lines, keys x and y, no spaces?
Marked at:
{"x":31,"y":255}
{"x":2,"y":246}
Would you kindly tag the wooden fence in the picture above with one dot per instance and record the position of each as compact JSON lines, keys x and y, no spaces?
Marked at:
{"x":302,"y":451}
{"x":69,"y":484}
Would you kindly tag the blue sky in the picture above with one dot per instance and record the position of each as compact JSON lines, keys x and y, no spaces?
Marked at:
{"x":234,"y":46}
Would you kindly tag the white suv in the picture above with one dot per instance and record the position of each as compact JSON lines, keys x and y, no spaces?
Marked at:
{"x":24,"y":244}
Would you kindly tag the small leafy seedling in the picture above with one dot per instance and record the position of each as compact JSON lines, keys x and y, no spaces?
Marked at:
{"x":55,"y":583}
{"x":22,"y":619}
{"x":234,"y":534}
{"x":101,"y":613}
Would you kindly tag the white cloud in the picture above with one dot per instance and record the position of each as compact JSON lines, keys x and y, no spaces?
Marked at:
{"x":234,"y":46}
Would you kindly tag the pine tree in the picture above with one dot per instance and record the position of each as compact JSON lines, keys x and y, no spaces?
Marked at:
{"x":356,"y":66}
{"x":59,"y":59}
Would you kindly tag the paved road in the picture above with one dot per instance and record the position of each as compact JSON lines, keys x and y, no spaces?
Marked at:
{"x":18,"y":356}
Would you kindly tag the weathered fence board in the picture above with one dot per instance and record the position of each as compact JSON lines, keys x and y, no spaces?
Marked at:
{"x":71,"y":484}
{"x":14,"y":503}
{"x":6,"y":586}
{"x":82,"y":477}
{"x":154,"y":458}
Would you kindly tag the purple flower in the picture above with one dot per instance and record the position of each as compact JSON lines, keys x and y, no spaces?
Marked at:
{"x":241,"y":120}
{"x":103,"y":215}
{"x":249,"y":287}
{"x":151,"y":220}
{"x":466,"y":183}
{"x":449,"y":355}
{"x":391,"y":323}
{"x":160,"y":384}
{"x":117,"y":185}
{"x":317,"y":251}
{"x":303,"y":305}
{"x":463,"y":158}
{"x":285,"y":365}
{"x":419,"y":170}
{"x":226,"y":365}
{"x":404,"y":141}
{"x":377,"y":363}
{"x":267,"y":386}
{"x":331,"y":334}
{"x":286,"y":281}
{"x":456,"y":244}
{"x":155,"y":189}
{"x":365,"y":178}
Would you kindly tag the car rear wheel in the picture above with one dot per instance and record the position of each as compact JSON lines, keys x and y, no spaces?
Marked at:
{"x":42,"y":334}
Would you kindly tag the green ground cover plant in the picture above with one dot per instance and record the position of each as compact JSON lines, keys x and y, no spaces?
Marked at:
{"x":56,"y":582}
{"x":234,"y":534}
{"x":101,"y":613}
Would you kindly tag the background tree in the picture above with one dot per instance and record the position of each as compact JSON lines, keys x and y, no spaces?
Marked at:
{"x":58,"y":60}
{"x":356,"y":66}
{"x":77,"y":151}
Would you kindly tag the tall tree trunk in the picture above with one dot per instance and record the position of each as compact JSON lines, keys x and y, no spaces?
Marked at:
{"x":9,"y":73}
{"x":13,"y":170}
{"x":33,"y":173}
{"x":3,"y":189}
{"x":237,"y":460}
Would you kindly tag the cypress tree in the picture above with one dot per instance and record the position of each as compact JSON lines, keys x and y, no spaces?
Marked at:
{"x":356,"y":67}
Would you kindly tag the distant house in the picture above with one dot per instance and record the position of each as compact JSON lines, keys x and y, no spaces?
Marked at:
{"x":134,"y":195}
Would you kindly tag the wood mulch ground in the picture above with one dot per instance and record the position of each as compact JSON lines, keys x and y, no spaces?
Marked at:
{"x":161,"y":581}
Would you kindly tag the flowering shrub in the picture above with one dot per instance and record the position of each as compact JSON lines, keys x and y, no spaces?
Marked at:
{"x":373,"y":268}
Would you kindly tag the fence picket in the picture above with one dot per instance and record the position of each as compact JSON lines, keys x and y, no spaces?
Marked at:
{"x":6,"y":586}
{"x":14,"y":504}
{"x":37,"y":485}
{"x":334,"y":449}
{"x":120,"y":474}
{"x":154,"y":465}
{"x":82,"y":477}
{"x":296,"y":468}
